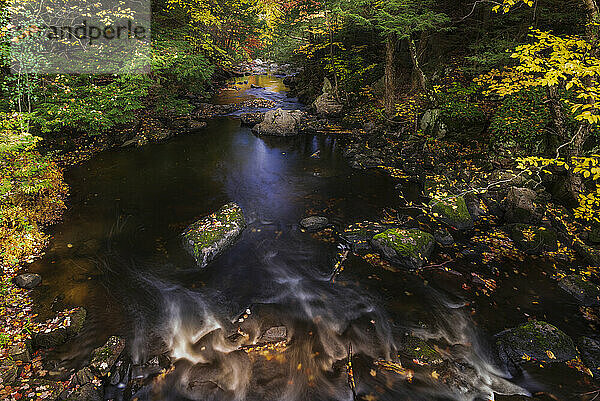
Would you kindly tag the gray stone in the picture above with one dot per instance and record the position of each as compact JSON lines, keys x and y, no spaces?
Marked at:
{"x":280,"y":123}
{"x":533,"y":240}
{"x":28,"y":280}
{"x":443,"y":238}
{"x":586,"y":292}
{"x":19,"y":352}
{"x":314,"y":223}
{"x":432,"y":124}
{"x":209,"y":237}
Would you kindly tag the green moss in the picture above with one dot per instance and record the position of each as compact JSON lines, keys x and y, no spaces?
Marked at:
{"x":210,"y":230}
{"x":453,"y":209}
{"x":417,"y":348}
{"x":408,"y":243}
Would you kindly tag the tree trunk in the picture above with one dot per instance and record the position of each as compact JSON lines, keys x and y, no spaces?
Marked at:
{"x":391,"y":74}
{"x":414,"y":56}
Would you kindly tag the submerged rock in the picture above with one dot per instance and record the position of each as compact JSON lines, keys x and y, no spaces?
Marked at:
{"x":273,"y":335}
{"x":52,"y":337}
{"x":586,"y":292}
{"x":535,"y":340}
{"x":533,"y":240}
{"x":453,"y":212}
{"x":314,"y":223}
{"x":280,"y":123}
{"x":28,"y":280}
{"x":208,"y":237}
{"x":406,"y":248}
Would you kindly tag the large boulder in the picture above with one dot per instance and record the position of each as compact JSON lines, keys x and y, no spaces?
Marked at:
{"x":327,"y":104}
{"x":533,"y":240}
{"x":584,"y":291}
{"x":28,"y":281}
{"x":208,"y":237}
{"x":407,"y":248}
{"x":520,"y":206}
{"x":453,"y":212}
{"x":280,"y":123}
{"x":535,"y":340}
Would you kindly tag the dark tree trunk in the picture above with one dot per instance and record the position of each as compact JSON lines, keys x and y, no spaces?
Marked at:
{"x":392,"y":74}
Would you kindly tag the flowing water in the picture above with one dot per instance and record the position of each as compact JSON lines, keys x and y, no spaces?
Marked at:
{"x":118,"y":253}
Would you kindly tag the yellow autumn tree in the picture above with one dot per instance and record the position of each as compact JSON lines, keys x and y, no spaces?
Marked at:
{"x":568,"y":68}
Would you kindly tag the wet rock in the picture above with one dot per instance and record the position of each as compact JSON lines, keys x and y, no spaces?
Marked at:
{"x":533,"y":240}
{"x":105,"y":357}
{"x":251,"y":119}
{"x":280,"y":123}
{"x":314,"y":223}
{"x":453,"y":212}
{"x":358,"y":235}
{"x":520,"y":206}
{"x":8,"y":371}
{"x":84,"y":376}
{"x":210,"y":236}
{"x":537,"y":340}
{"x":408,"y":248}
{"x":87,"y":392}
{"x":586,"y":292}
{"x":28,"y":280}
{"x":414,"y":348}
{"x":443,"y":238}
{"x":590,"y":354}
{"x":273,"y":335}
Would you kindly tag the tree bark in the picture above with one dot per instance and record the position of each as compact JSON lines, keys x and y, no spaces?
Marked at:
{"x":391,"y":74}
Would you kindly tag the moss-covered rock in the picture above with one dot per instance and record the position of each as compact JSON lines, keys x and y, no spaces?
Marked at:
{"x":590,"y":354}
{"x":106,"y":356}
{"x":407,"y":248}
{"x":535,"y":340}
{"x":586,"y":292}
{"x":453,"y":212}
{"x":533,"y":240}
{"x":210,"y":236}
{"x":415,"y":348}
{"x":358,"y":235}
